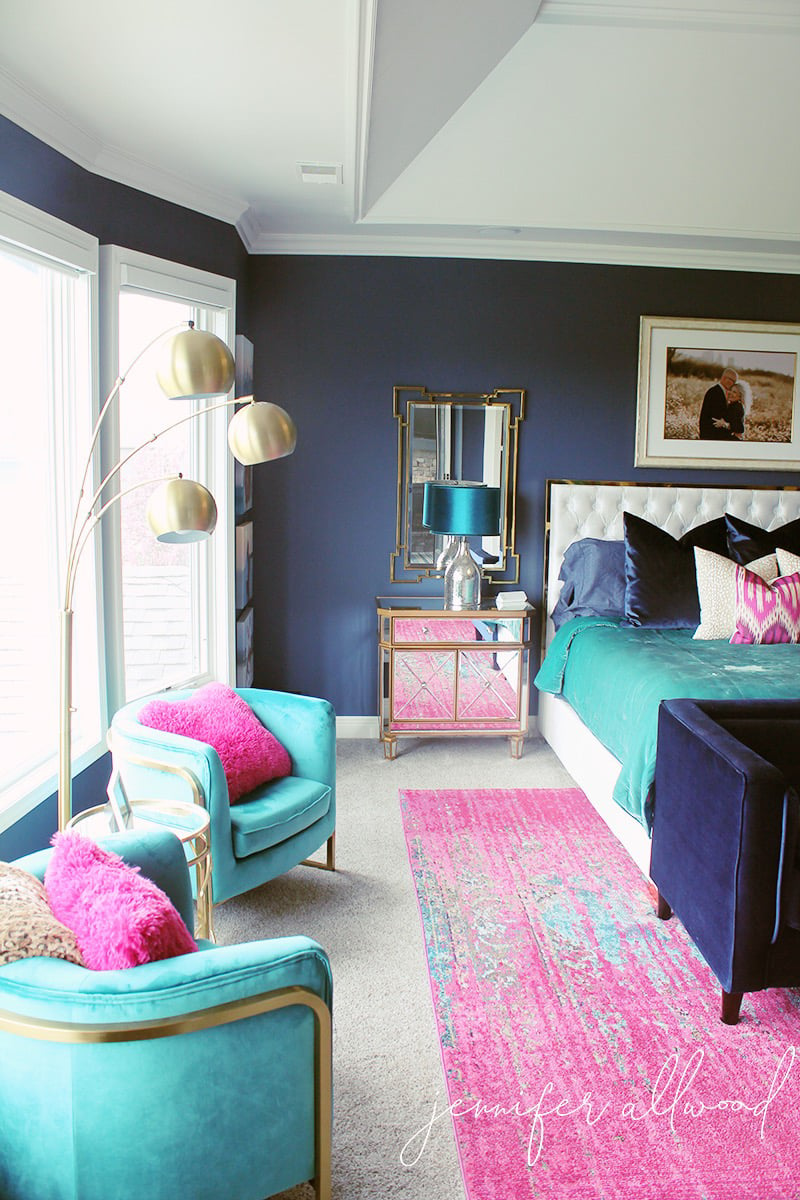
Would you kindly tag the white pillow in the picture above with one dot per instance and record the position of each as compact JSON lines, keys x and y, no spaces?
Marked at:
{"x":716,"y":590}
{"x":788,"y":563}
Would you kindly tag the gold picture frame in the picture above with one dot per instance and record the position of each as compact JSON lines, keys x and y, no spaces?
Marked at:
{"x":681,"y":360}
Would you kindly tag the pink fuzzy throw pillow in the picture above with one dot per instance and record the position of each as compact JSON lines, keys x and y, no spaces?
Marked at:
{"x":120,"y":918}
{"x":216,"y":714}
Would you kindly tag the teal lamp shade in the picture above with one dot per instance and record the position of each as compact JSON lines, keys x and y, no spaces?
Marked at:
{"x":461,"y":508}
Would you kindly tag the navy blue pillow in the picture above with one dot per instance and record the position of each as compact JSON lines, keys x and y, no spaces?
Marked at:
{"x":747,"y":542}
{"x":593,"y":573}
{"x":660,"y":574}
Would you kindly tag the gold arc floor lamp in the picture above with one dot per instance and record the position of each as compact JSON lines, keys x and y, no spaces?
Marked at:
{"x":193,"y":365}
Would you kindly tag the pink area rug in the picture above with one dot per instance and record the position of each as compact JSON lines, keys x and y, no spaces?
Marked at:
{"x":581,"y":1045}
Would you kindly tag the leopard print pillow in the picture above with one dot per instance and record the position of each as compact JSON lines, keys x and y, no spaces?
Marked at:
{"x":28,"y":928}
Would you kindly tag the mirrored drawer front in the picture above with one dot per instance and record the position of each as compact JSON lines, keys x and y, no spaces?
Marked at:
{"x":459,"y":630}
{"x":488,"y":685}
{"x":424,"y":685}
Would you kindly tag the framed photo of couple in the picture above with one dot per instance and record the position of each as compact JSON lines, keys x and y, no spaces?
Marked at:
{"x":718,"y":394}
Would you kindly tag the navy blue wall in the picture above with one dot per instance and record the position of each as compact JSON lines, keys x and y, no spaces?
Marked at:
{"x":116,"y":214}
{"x":333,"y":336}
{"x":124,"y":216}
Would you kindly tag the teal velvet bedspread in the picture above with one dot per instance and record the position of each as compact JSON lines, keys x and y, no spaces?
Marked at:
{"x":615,"y":676}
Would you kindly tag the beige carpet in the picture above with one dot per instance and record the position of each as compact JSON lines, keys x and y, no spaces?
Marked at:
{"x":387,"y":1071}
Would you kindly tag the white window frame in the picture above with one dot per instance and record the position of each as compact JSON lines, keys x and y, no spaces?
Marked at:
{"x":29,"y":228}
{"x":120,"y":267}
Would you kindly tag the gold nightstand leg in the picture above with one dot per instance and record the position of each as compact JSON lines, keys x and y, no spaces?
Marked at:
{"x":516,"y":745}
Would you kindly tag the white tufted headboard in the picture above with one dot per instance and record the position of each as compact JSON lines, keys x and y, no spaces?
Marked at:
{"x":578,"y":510}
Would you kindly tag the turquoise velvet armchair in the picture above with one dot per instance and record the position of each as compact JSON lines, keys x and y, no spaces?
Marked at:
{"x":204,"y":1076}
{"x":267,"y":832}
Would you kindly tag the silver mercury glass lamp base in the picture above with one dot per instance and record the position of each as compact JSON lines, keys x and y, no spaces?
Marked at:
{"x":462,"y":579}
{"x":448,"y":552}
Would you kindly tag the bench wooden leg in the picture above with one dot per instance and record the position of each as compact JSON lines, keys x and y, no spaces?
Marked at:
{"x":731,"y":1004}
{"x":663,"y":910}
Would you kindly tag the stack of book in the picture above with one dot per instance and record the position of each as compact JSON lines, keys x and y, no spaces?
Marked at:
{"x":511,"y":600}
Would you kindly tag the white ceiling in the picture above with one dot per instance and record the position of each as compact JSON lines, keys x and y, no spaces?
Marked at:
{"x":641,"y":131}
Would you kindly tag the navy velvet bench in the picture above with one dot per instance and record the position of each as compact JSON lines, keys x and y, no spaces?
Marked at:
{"x":725,"y":838}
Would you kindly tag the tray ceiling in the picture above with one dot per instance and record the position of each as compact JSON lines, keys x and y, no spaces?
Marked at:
{"x":641,"y":132}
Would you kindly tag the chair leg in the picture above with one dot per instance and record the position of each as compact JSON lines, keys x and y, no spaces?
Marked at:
{"x":663,"y":910}
{"x":330,"y":856}
{"x":731,"y":1004}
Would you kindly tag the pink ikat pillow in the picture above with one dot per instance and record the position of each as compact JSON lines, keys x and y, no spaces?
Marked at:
{"x":766,"y":613}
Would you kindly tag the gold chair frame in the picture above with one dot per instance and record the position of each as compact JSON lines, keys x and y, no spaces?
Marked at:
{"x":77,"y":1033}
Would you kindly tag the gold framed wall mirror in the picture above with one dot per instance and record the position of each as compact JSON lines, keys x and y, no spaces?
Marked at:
{"x":460,"y":436}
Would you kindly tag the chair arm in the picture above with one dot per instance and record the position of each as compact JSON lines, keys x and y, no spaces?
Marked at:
{"x":305,"y":725}
{"x":282,"y":987}
{"x":179,"y":768}
{"x":58,"y":992}
{"x":179,"y":753}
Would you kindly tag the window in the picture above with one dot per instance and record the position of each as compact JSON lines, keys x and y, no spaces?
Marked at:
{"x":167,"y":606}
{"x":129,"y":638}
{"x":47,"y":304}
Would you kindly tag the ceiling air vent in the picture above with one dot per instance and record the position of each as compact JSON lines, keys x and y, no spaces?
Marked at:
{"x":320,"y":172}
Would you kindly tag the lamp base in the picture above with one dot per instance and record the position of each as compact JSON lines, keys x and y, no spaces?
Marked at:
{"x":448,"y":551}
{"x":462,"y":579}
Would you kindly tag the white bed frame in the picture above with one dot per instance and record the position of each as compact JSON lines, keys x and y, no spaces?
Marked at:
{"x":579,"y":510}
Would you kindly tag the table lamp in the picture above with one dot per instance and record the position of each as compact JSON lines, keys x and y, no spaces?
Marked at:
{"x":461,"y":509}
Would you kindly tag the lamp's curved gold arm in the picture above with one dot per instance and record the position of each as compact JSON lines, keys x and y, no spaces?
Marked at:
{"x":82,"y":530}
{"x":98,"y":425}
{"x":85,"y":520}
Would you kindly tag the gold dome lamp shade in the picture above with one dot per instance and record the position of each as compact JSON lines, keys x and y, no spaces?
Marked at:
{"x":261,"y":432}
{"x":181,"y":511}
{"x":195,"y":364}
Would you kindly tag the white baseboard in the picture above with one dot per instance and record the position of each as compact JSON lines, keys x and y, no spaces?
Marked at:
{"x":357,"y":727}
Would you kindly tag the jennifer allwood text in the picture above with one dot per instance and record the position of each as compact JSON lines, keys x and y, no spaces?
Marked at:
{"x":677,"y":1096}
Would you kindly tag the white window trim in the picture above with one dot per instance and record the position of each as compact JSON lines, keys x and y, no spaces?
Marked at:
{"x":120,"y":267}
{"x":27,"y":227}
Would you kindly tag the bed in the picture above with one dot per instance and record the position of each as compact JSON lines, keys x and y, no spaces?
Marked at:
{"x":602,"y":678}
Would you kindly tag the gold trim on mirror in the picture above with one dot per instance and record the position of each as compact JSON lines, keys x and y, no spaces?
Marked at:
{"x":439,"y":438}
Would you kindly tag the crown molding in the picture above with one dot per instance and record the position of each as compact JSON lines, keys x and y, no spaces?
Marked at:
{"x":734,"y":252}
{"x":249,"y":231}
{"x":33,"y":113}
{"x":770,"y":17}
{"x":136,"y":173}
{"x":576,"y":249}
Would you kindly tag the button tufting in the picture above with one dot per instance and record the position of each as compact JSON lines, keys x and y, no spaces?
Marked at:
{"x":579,"y":510}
